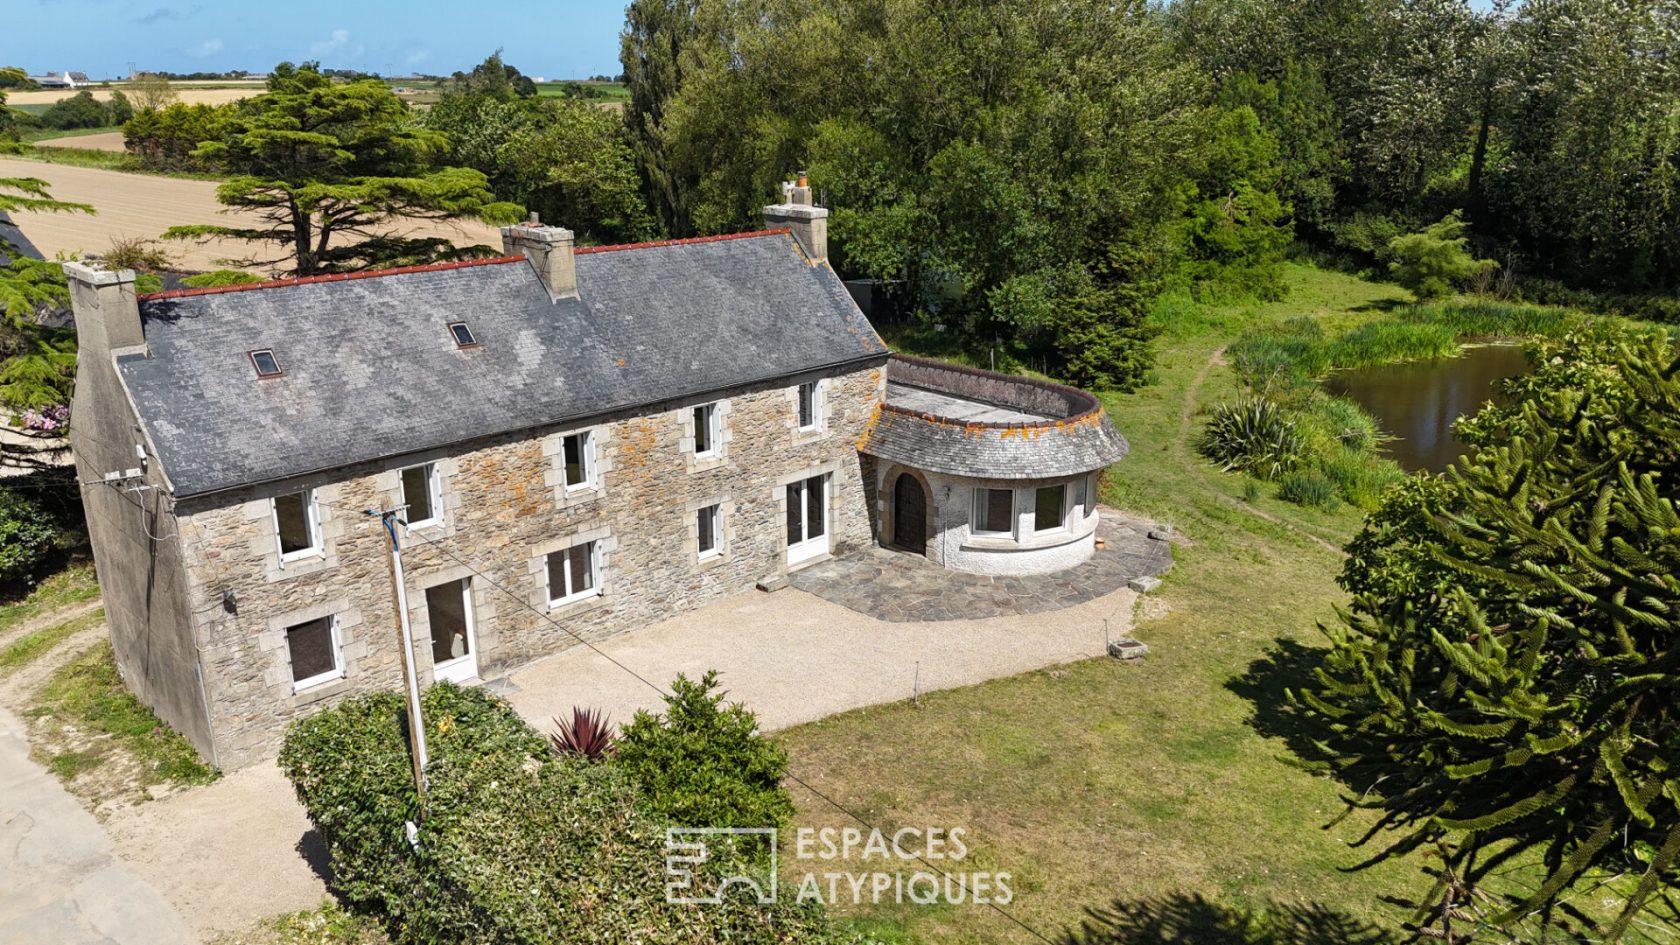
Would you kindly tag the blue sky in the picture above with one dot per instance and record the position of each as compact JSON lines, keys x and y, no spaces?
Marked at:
{"x":553,"y":38}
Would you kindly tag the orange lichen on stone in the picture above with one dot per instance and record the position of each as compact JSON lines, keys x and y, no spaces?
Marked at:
{"x":869,"y":428}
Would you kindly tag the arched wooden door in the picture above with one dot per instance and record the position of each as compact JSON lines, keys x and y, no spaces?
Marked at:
{"x":910,"y":514}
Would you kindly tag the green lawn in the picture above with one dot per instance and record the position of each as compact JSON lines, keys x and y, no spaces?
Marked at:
{"x":1153,"y":798}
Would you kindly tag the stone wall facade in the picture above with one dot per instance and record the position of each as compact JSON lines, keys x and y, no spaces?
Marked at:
{"x":504,"y":509}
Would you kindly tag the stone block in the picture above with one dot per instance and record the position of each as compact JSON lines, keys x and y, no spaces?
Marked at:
{"x":1127,"y":648}
{"x":1144,"y":585}
{"x":773,"y":582}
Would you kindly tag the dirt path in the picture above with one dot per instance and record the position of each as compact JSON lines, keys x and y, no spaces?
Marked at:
{"x":144,"y":205}
{"x":20,"y":686}
{"x":51,"y":618}
{"x":1181,"y":449}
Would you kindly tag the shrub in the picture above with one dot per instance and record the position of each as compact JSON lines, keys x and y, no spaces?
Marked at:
{"x":1308,"y":487}
{"x":81,"y":110}
{"x":704,"y":764}
{"x":1360,"y":476}
{"x":141,"y":255}
{"x":1253,"y":436}
{"x":516,"y":845}
{"x":28,"y":536}
{"x":587,"y":735}
{"x":1432,"y":262}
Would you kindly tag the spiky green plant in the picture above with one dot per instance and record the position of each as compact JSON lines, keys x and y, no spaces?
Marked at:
{"x":1255,"y":436}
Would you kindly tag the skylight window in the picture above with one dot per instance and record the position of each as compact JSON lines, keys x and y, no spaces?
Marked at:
{"x":463,"y":335}
{"x":266,"y":363}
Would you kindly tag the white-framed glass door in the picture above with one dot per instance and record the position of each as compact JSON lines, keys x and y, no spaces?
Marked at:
{"x":807,"y":519}
{"x":454,"y":646}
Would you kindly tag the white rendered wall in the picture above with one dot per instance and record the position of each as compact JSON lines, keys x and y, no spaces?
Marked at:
{"x":1024,"y":552}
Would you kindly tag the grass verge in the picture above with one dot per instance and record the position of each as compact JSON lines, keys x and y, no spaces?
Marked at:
{"x":85,"y":720}
{"x":32,"y":646}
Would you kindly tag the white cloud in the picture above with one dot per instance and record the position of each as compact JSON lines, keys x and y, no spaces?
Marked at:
{"x":338,"y":39}
{"x":209,"y":47}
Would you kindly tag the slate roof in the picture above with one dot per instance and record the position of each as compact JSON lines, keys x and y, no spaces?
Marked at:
{"x":1077,"y":436}
{"x":12,"y":234}
{"x":370,"y":369}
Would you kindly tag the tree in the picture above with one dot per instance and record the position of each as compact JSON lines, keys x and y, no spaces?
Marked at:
{"x":1238,"y":228}
{"x":1433,"y":262}
{"x":81,"y":110}
{"x":165,"y":139}
{"x":151,"y":92}
{"x":567,"y":160}
{"x":37,"y":363}
{"x":651,"y":48}
{"x":1502,"y":691}
{"x":330,"y":171}
{"x":967,"y":151}
{"x":495,"y":79}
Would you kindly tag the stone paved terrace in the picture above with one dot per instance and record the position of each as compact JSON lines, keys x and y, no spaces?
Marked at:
{"x":897,"y":586}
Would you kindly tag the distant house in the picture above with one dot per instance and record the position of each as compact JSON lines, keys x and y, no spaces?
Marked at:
{"x":581,"y":441}
{"x":61,"y":80}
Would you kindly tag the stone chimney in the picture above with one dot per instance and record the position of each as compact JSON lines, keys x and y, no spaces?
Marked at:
{"x":809,"y":223}
{"x":107,"y":313}
{"x":549,"y":248}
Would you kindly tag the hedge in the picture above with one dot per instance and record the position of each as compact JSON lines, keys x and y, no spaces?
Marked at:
{"x":516,"y":845}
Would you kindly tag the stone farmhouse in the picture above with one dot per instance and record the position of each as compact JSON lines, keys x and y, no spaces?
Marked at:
{"x":581,"y":440}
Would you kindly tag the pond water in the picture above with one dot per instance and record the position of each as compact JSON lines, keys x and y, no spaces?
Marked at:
{"x":1417,"y":401}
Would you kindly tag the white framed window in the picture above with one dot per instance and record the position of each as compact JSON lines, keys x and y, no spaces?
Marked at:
{"x":422,"y":492}
{"x":574,"y":573}
{"x":994,"y":512}
{"x":313,"y":647}
{"x":807,"y":518}
{"x":578,"y":460}
{"x":1081,"y":496}
{"x":708,"y":435}
{"x":708,"y":522}
{"x":810,"y":405}
{"x":1050,"y":508}
{"x":297,"y":525}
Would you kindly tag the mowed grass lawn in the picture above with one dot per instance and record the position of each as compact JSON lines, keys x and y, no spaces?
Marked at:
{"x":1142,"y":798}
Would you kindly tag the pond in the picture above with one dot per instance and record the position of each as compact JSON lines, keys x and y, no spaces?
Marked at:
{"x":1417,"y":401}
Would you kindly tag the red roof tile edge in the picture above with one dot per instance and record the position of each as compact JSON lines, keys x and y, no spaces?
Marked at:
{"x":439,"y":267}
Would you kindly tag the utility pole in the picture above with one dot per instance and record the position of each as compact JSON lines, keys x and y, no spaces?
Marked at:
{"x":411,"y":679}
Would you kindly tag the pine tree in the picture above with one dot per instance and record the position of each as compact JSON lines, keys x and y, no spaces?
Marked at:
{"x":1504,"y":693}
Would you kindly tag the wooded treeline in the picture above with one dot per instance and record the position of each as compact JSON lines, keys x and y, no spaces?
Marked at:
{"x":1031,"y":174}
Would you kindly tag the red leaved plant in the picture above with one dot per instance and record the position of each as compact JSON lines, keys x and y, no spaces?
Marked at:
{"x":588,"y":735}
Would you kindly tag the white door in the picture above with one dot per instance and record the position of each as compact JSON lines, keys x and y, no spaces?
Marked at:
{"x":807,"y":519}
{"x":454,"y":648}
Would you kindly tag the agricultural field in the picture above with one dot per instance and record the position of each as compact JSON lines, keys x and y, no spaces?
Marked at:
{"x":144,"y":205}
{"x":192,"y":93}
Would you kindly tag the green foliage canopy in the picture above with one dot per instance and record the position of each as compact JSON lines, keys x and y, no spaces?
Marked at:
{"x":333,"y":170}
